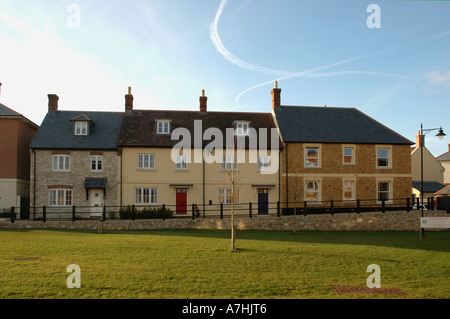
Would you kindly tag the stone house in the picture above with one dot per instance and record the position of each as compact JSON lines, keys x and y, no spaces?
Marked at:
{"x":152,"y":176}
{"x":74,"y":160}
{"x":16,"y":133}
{"x":340,"y":154}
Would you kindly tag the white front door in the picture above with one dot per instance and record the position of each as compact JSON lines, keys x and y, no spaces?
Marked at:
{"x":96,"y":202}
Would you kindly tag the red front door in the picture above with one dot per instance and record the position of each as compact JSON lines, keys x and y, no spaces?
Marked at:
{"x":181,"y":200}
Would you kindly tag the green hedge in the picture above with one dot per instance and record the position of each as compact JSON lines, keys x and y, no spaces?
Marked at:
{"x":146,"y":213}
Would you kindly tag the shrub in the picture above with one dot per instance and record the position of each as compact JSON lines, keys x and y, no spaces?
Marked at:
{"x":146,"y":213}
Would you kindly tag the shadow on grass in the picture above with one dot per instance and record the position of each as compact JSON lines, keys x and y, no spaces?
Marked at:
{"x":434,"y":240}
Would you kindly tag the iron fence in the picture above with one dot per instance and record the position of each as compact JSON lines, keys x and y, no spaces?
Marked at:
{"x":217,"y":210}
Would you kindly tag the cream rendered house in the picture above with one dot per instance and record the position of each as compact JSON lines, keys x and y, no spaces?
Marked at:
{"x":155,"y":172}
{"x":433,"y":171}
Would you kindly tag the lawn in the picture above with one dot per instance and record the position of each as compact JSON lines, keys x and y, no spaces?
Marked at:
{"x":178,"y":264}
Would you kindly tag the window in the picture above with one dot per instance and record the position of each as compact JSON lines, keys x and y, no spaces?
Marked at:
{"x":181,"y":162}
{"x":384,"y":191}
{"x":241,"y":128}
{"x":61,"y":162}
{"x":383,"y":157}
{"x":349,"y":190}
{"x":146,"y":196}
{"x":96,"y":163}
{"x":81,"y":128}
{"x":163,"y":127}
{"x":224,"y":196}
{"x":146,"y":161}
{"x":60,"y":197}
{"x":312,"y":157}
{"x":229,"y":162}
{"x":348,"y":156}
{"x":312,"y":191}
{"x":263,"y":163}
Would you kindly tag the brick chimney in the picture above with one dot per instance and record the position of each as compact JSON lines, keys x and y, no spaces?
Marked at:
{"x":420,"y":139}
{"x":203,"y":99}
{"x":129,"y":101}
{"x":53,"y":102}
{"x":276,"y":98}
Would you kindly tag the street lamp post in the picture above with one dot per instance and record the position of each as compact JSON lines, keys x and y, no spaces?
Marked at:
{"x":423,"y":131}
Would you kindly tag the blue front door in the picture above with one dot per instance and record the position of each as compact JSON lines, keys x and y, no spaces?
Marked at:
{"x":263,"y":201}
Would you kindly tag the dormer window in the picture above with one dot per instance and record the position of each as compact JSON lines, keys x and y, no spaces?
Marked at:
{"x":81,"y":124}
{"x":81,"y":128}
{"x":163,"y":126}
{"x":241,"y":128}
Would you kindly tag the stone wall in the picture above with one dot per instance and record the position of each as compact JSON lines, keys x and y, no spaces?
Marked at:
{"x":368,"y":221}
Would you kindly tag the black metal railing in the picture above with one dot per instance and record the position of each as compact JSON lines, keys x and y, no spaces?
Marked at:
{"x":217,"y":210}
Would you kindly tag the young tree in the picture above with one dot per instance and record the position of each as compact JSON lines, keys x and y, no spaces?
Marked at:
{"x":232,"y":172}
{"x":296,"y":193}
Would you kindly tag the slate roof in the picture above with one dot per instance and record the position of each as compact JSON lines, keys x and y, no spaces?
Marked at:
{"x":428,"y":186}
{"x":139,"y":127}
{"x":57,"y":131}
{"x":444,"y":157}
{"x":6,"y":111}
{"x":304,"y":124}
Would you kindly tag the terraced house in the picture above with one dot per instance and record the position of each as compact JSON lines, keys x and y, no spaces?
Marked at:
{"x":74,"y":161}
{"x":152,"y":176}
{"x":340,"y":154}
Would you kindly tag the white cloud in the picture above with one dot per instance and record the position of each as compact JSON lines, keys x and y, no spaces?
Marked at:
{"x":436,"y":77}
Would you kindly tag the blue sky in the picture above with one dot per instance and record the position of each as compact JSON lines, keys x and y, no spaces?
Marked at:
{"x":321,"y":52}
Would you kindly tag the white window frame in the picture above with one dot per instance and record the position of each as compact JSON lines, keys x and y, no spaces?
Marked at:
{"x":146,"y":161}
{"x":163,"y":127}
{"x":227,"y":162}
{"x":312,"y":165}
{"x":95,"y":161}
{"x":181,"y":163}
{"x":224,"y":195}
{"x":54,"y":196}
{"x":263,"y":163}
{"x":388,"y":158}
{"x":146,"y":196}
{"x":344,"y":190}
{"x":241,"y":128}
{"x":81,"y":128}
{"x":388,"y":192}
{"x":61,"y":162}
{"x":316,"y":185}
{"x":352,"y":148}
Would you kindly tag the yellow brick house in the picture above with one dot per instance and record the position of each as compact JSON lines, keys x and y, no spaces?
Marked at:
{"x":153,"y":175}
{"x":342,"y":155}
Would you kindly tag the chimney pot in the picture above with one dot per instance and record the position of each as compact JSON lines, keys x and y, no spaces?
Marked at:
{"x":53,"y":102}
{"x":276,"y":98}
{"x":129,"y":101}
{"x":203,"y":105}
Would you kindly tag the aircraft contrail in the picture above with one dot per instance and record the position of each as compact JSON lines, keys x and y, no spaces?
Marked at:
{"x":282,"y":75}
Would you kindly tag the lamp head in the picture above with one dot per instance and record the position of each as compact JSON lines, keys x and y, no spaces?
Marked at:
{"x":441,"y":134}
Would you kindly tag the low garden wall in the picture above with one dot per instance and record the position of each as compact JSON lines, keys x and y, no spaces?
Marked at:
{"x":368,"y":221}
